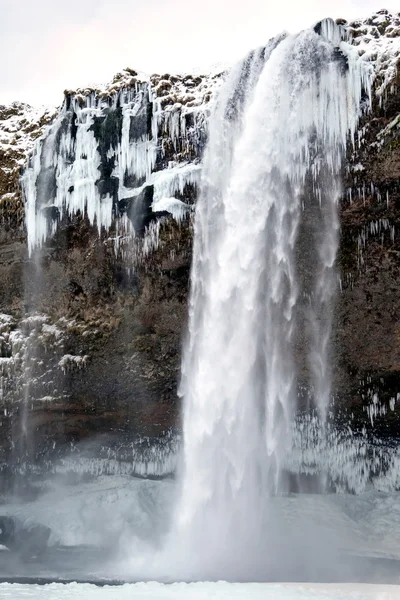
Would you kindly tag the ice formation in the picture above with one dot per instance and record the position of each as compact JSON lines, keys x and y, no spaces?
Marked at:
{"x":109,"y":144}
{"x":105,"y":155}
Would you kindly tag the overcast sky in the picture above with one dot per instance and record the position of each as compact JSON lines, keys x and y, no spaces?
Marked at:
{"x":47,"y":46}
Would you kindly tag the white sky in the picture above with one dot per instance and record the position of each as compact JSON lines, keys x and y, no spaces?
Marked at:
{"x":47,"y":46}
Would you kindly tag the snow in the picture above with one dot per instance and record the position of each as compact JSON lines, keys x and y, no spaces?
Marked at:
{"x":70,"y":362}
{"x":174,"y":179}
{"x":377,"y":39}
{"x":169,"y":181}
{"x":20,"y":345}
{"x":177,"y":208}
{"x":200,"y":591}
{"x":20,"y":125}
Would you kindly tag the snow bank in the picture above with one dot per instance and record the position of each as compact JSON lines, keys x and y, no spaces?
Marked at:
{"x":200,"y":591}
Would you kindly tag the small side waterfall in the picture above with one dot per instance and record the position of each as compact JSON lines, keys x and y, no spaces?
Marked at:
{"x":276,"y":142}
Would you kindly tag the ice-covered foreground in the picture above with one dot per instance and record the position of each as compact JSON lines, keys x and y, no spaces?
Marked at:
{"x":115,"y":509}
{"x":124,"y":518}
{"x":103,"y":512}
{"x":200,"y":591}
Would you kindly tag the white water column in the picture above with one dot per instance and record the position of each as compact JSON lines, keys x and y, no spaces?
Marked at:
{"x":284,"y":116}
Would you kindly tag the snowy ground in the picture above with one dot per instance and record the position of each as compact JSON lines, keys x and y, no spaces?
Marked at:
{"x":200,"y":591}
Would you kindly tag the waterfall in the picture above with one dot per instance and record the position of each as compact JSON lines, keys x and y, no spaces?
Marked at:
{"x":277,"y":138}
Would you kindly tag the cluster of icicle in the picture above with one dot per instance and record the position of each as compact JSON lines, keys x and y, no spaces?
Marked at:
{"x":63,"y":171}
{"x":142,"y":457}
{"x":352,"y":461}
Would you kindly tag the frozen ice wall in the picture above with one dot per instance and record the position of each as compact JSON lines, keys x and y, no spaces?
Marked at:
{"x":125,"y":151}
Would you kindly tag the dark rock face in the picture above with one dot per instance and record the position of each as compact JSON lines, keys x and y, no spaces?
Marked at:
{"x":102,"y":353}
{"x":367,"y":334}
{"x":90,"y":341}
{"x":92,"y":328}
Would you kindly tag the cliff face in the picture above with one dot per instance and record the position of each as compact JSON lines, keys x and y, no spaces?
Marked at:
{"x":93,"y":321}
{"x":367,"y":334}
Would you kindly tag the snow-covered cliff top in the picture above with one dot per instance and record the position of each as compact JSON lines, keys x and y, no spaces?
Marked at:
{"x":377,"y":38}
{"x":21,"y":124}
{"x":189,"y":90}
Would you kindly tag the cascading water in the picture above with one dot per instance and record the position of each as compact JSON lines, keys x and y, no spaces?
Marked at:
{"x":276,"y":142}
{"x":267,"y":211}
